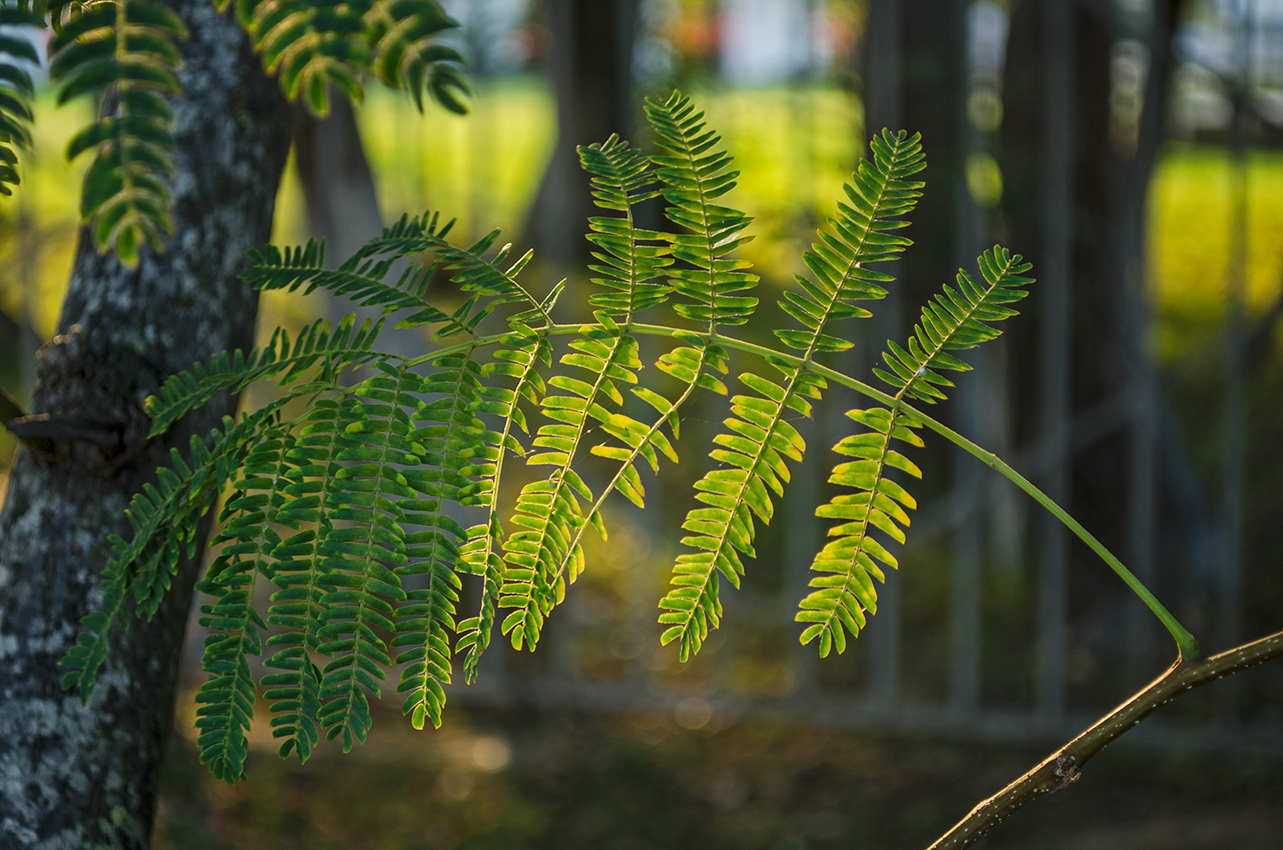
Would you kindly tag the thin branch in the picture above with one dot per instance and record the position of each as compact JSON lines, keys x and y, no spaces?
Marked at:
{"x":9,"y":407}
{"x":1064,"y":766}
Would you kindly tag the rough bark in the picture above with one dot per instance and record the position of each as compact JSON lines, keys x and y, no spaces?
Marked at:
{"x":73,"y":776}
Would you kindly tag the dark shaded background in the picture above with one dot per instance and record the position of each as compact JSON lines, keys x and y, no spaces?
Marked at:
{"x":1154,"y":422}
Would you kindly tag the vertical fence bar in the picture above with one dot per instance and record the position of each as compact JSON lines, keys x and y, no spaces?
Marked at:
{"x":964,"y":618}
{"x":801,"y":542}
{"x":1054,"y":339}
{"x":1141,"y":391}
{"x":1007,"y":505}
{"x":1234,"y":400}
{"x":969,"y":237}
{"x":1141,"y":510}
{"x":883,"y":108}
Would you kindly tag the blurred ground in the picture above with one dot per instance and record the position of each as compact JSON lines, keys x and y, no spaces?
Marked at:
{"x":523,"y":778}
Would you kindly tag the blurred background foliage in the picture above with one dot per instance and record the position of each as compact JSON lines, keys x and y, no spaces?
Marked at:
{"x":1170,"y":143}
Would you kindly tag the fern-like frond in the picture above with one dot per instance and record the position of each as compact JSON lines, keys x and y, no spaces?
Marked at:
{"x":479,"y":556}
{"x":427,"y":631}
{"x":457,"y":450}
{"x":164,"y":521}
{"x":364,"y":544}
{"x":17,"y":57}
{"x":355,"y":510}
{"x":297,"y":608}
{"x":956,"y":320}
{"x":407,"y":56}
{"x":123,"y":50}
{"x":753,"y":453}
{"x":248,"y":539}
{"x":362,"y":278}
{"x":630,"y":259}
{"x":315,"y":345}
{"x":544,"y":555}
{"x":695,"y":174}
{"x":310,"y":45}
{"x":862,"y":233}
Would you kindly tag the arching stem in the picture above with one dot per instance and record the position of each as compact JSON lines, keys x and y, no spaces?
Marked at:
{"x":1185,"y":642}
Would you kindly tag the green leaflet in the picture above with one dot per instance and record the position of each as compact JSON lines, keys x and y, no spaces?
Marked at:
{"x":17,"y":56}
{"x":629,"y":260}
{"x":315,"y":345}
{"x":955,"y":321}
{"x":695,"y":174}
{"x":543,"y":555}
{"x":457,"y":451}
{"x":314,"y":44}
{"x":126,"y":47}
{"x":759,"y":441}
{"x":377,"y":456}
{"x":479,"y":554}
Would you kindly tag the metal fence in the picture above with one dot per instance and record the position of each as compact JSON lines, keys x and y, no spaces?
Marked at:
{"x":978,"y":634}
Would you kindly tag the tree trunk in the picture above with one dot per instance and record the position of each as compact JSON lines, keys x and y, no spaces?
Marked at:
{"x":591,"y":68}
{"x":338,"y":187}
{"x":72,"y":776}
{"x":343,"y":209}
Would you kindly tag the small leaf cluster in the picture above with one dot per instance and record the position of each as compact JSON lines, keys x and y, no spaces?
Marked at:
{"x":311,"y":46}
{"x":956,"y":320}
{"x":126,"y":54}
{"x":485,"y":461}
{"x":17,"y":57}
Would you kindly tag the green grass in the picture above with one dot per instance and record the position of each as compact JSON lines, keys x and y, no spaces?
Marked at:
{"x":1189,"y":232}
{"x":38,"y":225}
{"x":794,"y":147}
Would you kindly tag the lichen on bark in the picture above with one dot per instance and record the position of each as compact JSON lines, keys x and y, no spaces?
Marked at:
{"x":73,"y":776}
